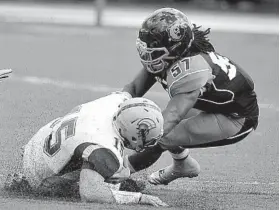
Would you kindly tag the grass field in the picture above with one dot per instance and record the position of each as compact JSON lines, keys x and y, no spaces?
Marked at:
{"x":58,"y":67}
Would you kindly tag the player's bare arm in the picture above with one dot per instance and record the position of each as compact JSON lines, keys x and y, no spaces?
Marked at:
{"x":89,"y":180}
{"x":92,"y":186}
{"x":177,"y":108}
{"x":141,"y":84}
{"x":93,"y":189}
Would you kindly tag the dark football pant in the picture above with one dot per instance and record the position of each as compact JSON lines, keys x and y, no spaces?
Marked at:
{"x":207,"y":130}
{"x":198,"y":130}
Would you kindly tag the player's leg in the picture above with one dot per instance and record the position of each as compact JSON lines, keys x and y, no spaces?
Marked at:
{"x":26,"y":180}
{"x":34,"y":168}
{"x":203,"y":130}
{"x":140,"y":161}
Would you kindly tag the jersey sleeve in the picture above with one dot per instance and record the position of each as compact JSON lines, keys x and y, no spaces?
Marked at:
{"x":188,"y":75}
{"x":101,"y":159}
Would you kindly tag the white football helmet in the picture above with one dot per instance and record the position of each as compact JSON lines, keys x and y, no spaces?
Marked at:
{"x":139,"y":123}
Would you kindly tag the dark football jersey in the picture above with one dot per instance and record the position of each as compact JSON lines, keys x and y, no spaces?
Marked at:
{"x":224,"y":87}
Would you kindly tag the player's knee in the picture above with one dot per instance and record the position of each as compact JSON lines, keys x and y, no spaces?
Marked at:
{"x":185,"y":134}
{"x":191,"y":128}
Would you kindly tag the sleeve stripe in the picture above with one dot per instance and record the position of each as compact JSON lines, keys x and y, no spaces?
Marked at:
{"x":87,"y":152}
{"x":198,"y":71}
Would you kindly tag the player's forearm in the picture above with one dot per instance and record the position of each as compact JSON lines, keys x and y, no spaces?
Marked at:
{"x":172,"y":118}
{"x":136,"y":90}
{"x":92,"y":187}
{"x":177,"y":109}
{"x":141,"y":84}
{"x":130,"y":88}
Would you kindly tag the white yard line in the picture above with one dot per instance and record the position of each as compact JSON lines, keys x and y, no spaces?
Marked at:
{"x":101,"y":88}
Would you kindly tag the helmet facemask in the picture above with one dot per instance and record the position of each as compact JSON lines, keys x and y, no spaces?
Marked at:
{"x":152,"y":58}
{"x":165,"y":37}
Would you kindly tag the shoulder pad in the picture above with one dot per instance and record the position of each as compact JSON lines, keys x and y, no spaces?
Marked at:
{"x":187,"y":75}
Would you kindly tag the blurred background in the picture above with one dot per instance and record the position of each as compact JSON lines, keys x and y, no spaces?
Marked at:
{"x":224,"y":5}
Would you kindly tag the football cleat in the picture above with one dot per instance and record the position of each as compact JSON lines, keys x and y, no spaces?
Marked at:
{"x":188,"y":167}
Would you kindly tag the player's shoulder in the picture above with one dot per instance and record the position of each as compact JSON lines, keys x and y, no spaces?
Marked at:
{"x":187,"y":66}
{"x":198,"y":62}
{"x":188,"y":74}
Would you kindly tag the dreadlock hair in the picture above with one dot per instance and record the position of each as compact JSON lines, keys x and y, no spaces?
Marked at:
{"x":201,"y":43}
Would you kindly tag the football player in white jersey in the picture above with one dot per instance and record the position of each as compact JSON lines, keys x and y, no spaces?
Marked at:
{"x":86,"y":146}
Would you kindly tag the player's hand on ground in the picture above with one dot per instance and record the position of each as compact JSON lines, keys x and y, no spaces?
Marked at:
{"x":152,"y":200}
{"x":4,"y":73}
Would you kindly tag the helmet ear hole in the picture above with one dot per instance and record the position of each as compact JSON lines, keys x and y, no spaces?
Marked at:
{"x":134,"y":139}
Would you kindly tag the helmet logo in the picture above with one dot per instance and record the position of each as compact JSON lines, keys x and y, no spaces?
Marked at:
{"x":144,"y":126}
{"x":176,"y":32}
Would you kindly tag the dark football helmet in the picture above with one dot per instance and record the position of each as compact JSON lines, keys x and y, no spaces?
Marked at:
{"x":164,"y":37}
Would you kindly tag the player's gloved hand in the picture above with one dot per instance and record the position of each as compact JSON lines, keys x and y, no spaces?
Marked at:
{"x":4,"y":73}
{"x":152,"y":200}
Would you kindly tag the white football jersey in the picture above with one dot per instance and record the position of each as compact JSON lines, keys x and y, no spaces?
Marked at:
{"x":52,"y":147}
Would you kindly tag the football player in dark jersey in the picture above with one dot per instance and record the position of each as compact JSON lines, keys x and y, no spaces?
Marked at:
{"x":178,"y":54}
